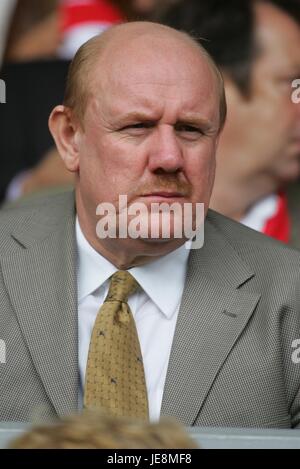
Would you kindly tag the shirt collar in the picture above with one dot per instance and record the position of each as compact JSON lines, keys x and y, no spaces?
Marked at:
{"x":162,"y":280}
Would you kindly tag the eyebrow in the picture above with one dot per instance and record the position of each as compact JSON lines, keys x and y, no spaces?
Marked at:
{"x":195,"y":119}
{"x":136,"y":116}
{"x":188,"y":118}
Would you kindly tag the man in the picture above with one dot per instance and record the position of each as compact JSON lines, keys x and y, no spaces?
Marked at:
{"x":256,"y":44}
{"x":209,"y":335}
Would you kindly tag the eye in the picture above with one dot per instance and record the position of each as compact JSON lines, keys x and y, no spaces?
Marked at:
{"x":186,"y":128}
{"x":138,"y":126}
{"x":189,"y":130}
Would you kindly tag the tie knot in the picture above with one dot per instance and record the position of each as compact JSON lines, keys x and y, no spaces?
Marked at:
{"x":122,"y":285}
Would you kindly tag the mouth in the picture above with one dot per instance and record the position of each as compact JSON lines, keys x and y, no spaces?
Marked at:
{"x":164,"y":195}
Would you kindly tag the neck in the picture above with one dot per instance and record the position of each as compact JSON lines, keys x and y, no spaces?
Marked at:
{"x":125,"y":254}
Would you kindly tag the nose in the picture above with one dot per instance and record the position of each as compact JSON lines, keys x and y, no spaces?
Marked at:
{"x":165,"y":154}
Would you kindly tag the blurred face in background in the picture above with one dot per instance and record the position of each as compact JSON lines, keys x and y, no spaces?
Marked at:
{"x":261,"y":138}
{"x":150,"y":7}
{"x":144,"y":6}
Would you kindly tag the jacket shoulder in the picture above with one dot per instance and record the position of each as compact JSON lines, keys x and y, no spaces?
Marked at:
{"x":253,"y":246}
{"x":40,"y":209}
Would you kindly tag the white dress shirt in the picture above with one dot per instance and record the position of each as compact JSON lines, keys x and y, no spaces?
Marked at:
{"x":154,"y":307}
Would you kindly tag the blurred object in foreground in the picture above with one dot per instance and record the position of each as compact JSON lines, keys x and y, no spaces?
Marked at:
{"x":94,"y":430}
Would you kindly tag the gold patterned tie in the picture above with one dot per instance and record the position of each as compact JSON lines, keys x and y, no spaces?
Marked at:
{"x":115,"y":379}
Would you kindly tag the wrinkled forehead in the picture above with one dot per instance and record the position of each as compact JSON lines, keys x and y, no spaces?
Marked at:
{"x":170,"y":70}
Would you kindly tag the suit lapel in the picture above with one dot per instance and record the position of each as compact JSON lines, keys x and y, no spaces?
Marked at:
{"x":41,"y":282}
{"x":212,"y":316}
{"x":293,"y":195}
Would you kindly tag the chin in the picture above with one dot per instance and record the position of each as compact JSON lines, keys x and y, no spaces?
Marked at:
{"x":291,"y":175}
{"x":173,"y":243}
{"x":290,"y":172}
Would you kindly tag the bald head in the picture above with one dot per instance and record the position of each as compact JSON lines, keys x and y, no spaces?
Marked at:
{"x":125,"y":47}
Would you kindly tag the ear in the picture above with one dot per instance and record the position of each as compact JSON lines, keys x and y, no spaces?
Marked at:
{"x":65,"y":130}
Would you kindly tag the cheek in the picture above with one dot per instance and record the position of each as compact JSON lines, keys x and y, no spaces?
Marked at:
{"x":274,"y":111}
{"x":95,"y":170}
{"x":276,"y":127}
{"x":109,"y":168}
{"x":201,"y":171}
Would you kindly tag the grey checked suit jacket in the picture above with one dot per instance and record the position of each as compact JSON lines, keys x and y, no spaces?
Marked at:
{"x":231,"y":359}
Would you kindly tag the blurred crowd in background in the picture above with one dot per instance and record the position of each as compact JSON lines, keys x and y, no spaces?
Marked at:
{"x":256,"y":44}
{"x":39,"y":40}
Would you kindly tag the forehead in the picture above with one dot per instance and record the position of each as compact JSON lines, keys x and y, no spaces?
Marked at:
{"x":278,"y":36}
{"x":165,"y":79}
